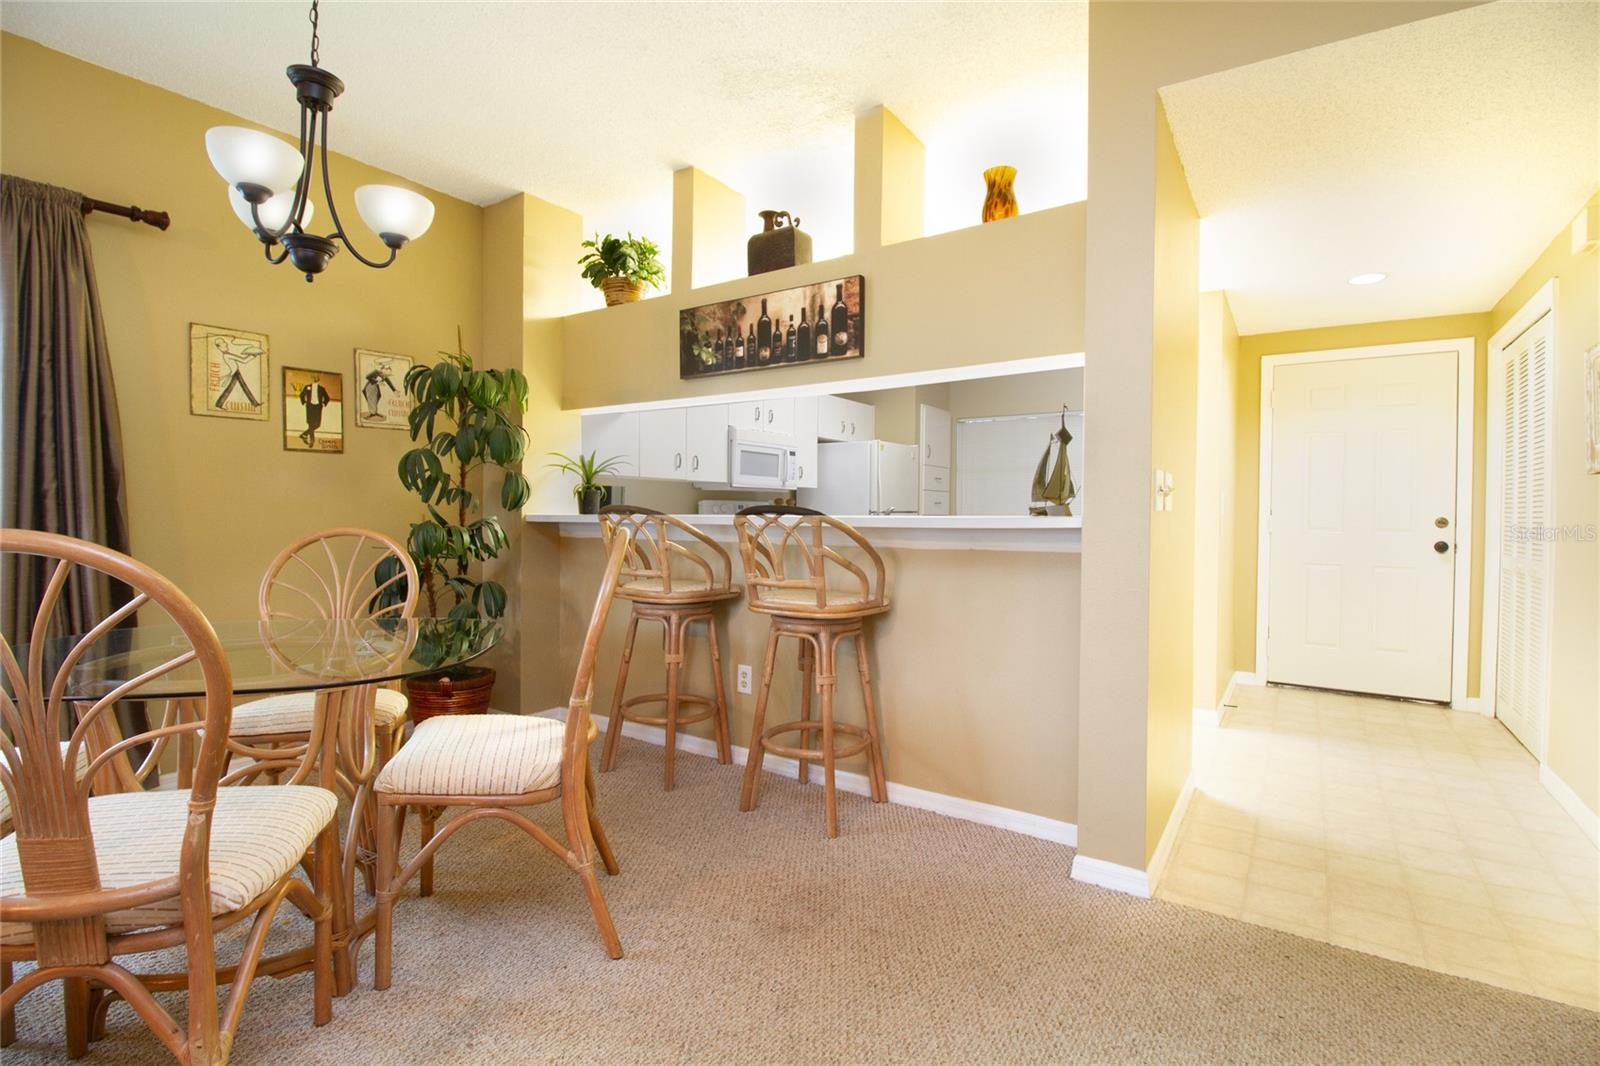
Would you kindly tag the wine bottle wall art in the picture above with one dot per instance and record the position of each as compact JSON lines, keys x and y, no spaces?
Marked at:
{"x":807,"y":324}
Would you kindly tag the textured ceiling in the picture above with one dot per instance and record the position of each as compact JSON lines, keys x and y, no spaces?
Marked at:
{"x":1446,"y":153}
{"x":594,"y":105}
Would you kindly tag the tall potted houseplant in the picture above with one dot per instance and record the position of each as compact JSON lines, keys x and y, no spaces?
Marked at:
{"x":621,"y":267}
{"x":466,"y":421}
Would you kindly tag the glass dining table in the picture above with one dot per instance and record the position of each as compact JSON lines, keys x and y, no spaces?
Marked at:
{"x":339,"y":663}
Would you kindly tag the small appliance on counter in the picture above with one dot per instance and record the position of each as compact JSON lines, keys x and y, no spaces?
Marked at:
{"x":864,"y":477}
{"x":727,"y":506}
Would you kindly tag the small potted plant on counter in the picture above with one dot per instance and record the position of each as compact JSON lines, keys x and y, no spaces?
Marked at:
{"x":467,"y":421}
{"x":591,"y":495}
{"x":621,"y":267}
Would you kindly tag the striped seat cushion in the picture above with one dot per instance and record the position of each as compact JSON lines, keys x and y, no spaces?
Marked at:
{"x":258,"y":834}
{"x":83,"y":767}
{"x":292,"y":713}
{"x":476,"y":755}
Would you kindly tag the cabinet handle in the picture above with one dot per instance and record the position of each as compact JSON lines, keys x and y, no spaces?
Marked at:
{"x":694,"y":463}
{"x":841,"y":427}
{"x":802,"y":475}
{"x":927,"y":451}
{"x":677,"y":461}
{"x":758,"y":412}
{"x":770,"y":413}
{"x":852,"y":429}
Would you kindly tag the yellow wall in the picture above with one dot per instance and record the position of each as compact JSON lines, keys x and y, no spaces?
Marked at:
{"x":1174,"y":411}
{"x":1216,"y":433}
{"x":1252,"y":349}
{"x":1573,"y":738}
{"x":1135,"y":50}
{"x":211,"y":500}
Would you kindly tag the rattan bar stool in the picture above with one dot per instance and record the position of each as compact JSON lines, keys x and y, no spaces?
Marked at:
{"x":787,"y":563}
{"x":677,"y":596}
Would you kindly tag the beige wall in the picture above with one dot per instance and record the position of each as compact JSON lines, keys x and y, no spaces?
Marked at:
{"x":211,"y":500}
{"x":1134,"y":50}
{"x":1216,"y":433}
{"x":1573,"y":739}
{"x":972,"y":668}
{"x":1252,"y":349}
{"x":951,"y":300}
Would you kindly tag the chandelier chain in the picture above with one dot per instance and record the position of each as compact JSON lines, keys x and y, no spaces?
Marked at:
{"x":314,"y":39}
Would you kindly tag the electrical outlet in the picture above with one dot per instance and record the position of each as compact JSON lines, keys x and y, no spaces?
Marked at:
{"x":746,"y":678}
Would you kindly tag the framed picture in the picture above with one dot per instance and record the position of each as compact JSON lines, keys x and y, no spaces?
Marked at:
{"x":381,"y":399}
{"x":810,"y":324}
{"x":313,"y":410}
{"x":228,"y":372}
{"x":1591,"y":392}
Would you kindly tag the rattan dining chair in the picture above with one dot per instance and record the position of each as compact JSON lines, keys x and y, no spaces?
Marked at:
{"x":85,"y":879}
{"x":342,"y":574}
{"x":492,"y":764}
{"x":819,"y":580}
{"x":676,"y":575}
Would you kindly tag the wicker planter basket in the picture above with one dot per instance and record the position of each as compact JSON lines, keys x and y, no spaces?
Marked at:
{"x":620,"y":291}
{"x":439,"y":694}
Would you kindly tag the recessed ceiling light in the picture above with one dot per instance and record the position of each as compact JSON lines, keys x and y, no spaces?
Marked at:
{"x":1367,"y":279}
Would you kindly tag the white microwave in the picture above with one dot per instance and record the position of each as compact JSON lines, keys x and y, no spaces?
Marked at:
{"x":760,"y":462}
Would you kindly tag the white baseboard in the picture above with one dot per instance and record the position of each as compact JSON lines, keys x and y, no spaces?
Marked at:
{"x":1023,"y":822}
{"x":1207,"y":717}
{"x":1572,"y":803}
{"x":1476,"y":705}
{"x":1241,"y":677}
{"x":1110,"y":875}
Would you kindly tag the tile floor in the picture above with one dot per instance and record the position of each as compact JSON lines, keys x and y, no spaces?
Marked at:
{"x":1413,"y":832}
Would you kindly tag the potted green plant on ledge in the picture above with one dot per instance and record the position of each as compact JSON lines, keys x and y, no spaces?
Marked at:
{"x":466,"y":419}
{"x":621,"y":267}
{"x":590,"y":493}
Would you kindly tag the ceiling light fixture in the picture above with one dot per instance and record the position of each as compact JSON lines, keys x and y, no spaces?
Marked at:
{"x":270,"y":182}
{"x":1368,"y":279}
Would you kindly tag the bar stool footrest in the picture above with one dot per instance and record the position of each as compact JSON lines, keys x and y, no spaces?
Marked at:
{"x":839,"y":751}
{"x":706,"y":702}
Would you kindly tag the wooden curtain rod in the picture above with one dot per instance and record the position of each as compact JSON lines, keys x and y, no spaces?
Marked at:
{"x":159,"y":219}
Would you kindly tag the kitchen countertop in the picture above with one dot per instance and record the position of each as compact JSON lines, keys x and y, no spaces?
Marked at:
{"x":1049,"y":533}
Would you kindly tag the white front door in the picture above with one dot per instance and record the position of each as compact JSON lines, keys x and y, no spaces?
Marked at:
{"x":1361,"y":532}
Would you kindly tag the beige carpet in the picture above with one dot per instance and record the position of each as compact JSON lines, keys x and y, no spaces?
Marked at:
{"x":912,"y":938}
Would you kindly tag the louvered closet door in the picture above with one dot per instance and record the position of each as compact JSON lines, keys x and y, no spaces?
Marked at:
{"x":1522,"y":657}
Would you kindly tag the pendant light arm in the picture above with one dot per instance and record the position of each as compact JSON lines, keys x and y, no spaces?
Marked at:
{"x":338,"y":226}
{"x":270,"y":237}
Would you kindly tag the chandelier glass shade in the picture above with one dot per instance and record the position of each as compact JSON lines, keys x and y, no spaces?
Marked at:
{"x":270,"y":181}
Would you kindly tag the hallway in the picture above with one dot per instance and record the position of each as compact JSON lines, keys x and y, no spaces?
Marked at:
{"x":1409,"y":831}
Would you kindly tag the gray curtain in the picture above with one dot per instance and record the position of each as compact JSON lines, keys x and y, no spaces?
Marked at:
{"x":62,"y":464}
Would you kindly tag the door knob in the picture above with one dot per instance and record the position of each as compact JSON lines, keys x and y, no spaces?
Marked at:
{"x":1441,"y":546}
{"x":1441,"y":522}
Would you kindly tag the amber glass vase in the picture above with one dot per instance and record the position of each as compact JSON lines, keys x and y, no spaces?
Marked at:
{"x":1001,"y":199}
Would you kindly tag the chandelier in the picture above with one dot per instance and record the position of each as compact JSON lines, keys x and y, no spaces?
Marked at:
{"x":270,"y":182}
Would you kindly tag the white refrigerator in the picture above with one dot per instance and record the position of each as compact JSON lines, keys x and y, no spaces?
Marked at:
{"x":864,"y":477}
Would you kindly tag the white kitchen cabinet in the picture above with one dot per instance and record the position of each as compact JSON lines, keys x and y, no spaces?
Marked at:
{"x":707,"y":443}
{"x":935,"y":479}
{"x":663,"y":443}
{"x":935,"y":503}
{"x":805,"y":463}
{"x":774,"y":417}
{"x":613,"y":436}
{"x":839,"y":419}
{"x":933,"y":434}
